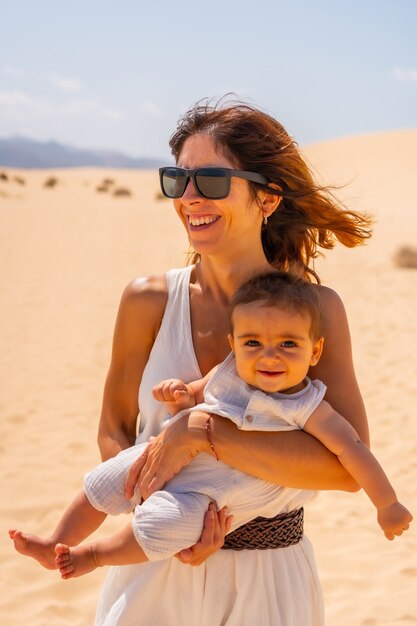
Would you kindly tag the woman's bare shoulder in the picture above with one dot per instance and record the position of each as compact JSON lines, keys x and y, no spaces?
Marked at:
{"x":333,"y":310}
{"x":328,"y":294}
{"x":337,"y":352}
{"x":146,"y":291}
{"x":143,"y":304}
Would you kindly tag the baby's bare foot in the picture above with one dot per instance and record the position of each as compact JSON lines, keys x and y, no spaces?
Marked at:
{"x":30,"y":545}
{"x":73,"y":562}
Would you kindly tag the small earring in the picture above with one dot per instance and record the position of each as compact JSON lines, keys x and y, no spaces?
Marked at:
{"x":265,"y":219}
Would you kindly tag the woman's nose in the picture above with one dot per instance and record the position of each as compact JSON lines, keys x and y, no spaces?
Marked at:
{"x":190,"y":194}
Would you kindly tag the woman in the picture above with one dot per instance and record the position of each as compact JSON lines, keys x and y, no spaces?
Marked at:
{"x":247,"y":202}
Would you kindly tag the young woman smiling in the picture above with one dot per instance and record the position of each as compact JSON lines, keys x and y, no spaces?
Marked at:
{"x":248,"y":203}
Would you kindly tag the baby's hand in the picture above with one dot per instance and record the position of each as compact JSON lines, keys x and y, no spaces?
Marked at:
{"x":394,"y":519}
{"x":175,"y":393}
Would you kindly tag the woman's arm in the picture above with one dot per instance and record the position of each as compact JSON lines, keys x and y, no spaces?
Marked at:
{"x":294,"y":458}
{"x":291,"y":458}
{"x":335,"y":367}
{"x":138,"y":320}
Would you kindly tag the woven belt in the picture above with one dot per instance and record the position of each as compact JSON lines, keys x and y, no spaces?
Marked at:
{"x":264,"y":533}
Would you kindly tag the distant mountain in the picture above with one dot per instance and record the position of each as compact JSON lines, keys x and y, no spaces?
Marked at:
{"x":20,"y":152}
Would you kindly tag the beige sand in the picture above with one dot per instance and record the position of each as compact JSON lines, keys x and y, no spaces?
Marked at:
{"x":65,"y":255}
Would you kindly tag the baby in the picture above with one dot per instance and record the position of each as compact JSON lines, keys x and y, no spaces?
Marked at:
{"x":262,"y":385}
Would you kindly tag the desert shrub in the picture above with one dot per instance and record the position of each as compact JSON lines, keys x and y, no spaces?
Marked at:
{"x":105,"y":185}
{"x":19,"y":180}
{"x":51,"y":182}
{"x":3,"y":176}
{"x":122,"y":191}
{"x":406,"y":256}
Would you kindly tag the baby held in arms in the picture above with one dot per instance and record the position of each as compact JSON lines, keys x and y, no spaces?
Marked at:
{"x":262,"y":385}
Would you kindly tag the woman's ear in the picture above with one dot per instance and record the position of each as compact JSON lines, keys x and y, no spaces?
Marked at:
{"x":269,"y":202}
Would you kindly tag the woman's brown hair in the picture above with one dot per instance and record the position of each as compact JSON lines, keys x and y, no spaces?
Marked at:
{"x":309,"y":216}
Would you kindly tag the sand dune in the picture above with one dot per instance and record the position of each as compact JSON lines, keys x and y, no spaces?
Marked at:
{"x":66,"y":253}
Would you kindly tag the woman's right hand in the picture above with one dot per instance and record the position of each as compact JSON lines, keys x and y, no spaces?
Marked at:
{"x":216,"y":526}
{"x":166,"y":454}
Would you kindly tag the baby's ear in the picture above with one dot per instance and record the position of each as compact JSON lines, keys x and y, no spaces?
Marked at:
{"x":317,"y":350}
{"x":232,"y":343}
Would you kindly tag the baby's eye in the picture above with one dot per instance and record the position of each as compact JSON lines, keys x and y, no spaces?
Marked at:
{"x":253,"y":343}
{"x":288,"y":344}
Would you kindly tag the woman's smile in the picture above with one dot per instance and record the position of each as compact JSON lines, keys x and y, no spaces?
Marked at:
{"x":201,"y":221}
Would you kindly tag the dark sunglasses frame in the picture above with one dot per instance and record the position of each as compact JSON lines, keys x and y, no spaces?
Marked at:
{"x":225,"y":174}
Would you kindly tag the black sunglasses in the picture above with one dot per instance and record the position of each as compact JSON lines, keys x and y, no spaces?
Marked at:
{"x":210,"y":182}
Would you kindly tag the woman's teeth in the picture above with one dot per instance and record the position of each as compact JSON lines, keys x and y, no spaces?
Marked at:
{"x":198,"y":221}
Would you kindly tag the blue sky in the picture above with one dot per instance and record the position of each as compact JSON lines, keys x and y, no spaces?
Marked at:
{"x":118,"y":74}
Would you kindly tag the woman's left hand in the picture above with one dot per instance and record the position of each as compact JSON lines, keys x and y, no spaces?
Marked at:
{"x":166,"y":455}
{"x":216,"y":526}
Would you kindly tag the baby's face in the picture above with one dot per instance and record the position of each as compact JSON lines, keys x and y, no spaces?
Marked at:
{"x":273,"y":347}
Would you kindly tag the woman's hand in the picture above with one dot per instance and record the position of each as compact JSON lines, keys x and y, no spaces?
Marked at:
{"x":216,"y":526}
{"x":167,"y":454}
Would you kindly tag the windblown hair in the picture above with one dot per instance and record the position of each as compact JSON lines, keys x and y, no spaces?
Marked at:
{"x":309,"y":216}
{"x":282,"y":290}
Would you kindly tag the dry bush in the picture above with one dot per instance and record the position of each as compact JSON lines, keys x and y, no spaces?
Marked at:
{"x":51,"y":182}
{"x":122,"y":191}
{"x":3,"y":176}
{"x":19,"y":180}
{"x":406,"y":256}
{"x":105,"y":185}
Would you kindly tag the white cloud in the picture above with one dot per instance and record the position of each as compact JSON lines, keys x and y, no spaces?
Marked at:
{"x":152,"y":108}
{"x":79,"y":108}
{"x":19,"y":107}
{"x":14,"y":98}
{"x":67,"y":84}
{"x":89,"y":106}
{"x":111,"y":114}
{"x":14,"y":103}
{"x":406,"y":74}
{"x":11,"y":71}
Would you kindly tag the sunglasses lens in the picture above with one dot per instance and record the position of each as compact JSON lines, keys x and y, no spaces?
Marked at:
{"x":173,"y":182}
{"x":212,"y":183}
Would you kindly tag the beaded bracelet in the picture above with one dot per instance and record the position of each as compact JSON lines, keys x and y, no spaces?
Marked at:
{"x":208,"y":433}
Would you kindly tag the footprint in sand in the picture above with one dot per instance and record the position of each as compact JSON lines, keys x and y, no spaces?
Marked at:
{"x":411,"y":572}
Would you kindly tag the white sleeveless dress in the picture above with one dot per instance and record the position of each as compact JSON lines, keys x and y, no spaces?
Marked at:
{"x":276,"y":587}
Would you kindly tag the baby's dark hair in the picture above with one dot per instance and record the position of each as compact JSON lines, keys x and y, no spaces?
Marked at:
{"x":283,"y":290}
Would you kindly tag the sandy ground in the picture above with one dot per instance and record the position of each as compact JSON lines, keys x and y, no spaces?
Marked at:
{"x":66,"y":254}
